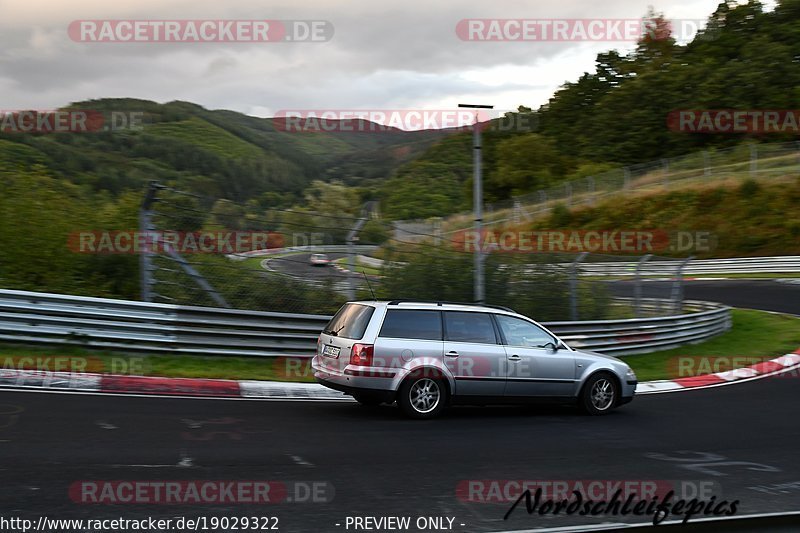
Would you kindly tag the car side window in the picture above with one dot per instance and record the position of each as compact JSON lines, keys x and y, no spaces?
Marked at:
{"x":520,"y":332}
{"x":412,"y":324}
{"x":469,"y":327}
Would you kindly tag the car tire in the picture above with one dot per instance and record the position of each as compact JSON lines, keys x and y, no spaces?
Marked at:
{"x":422,"y":396}
{"x":600,"y":394}
{"x":367,"y":400}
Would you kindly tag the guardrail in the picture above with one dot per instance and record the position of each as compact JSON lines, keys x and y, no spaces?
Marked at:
{"x":736,"y":265}
{"x":34,"y":317}
{"x":322,"y":248}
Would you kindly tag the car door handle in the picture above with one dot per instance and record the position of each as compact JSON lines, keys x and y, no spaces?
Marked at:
{"x":514,"y":357}
{"x":452,"y":353}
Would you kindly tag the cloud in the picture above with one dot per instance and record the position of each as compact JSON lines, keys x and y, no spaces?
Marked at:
{"x":388,"y":54}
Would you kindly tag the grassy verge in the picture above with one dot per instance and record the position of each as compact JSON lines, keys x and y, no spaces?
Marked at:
{"x":360,"y":266}
{"x":756,"y":335}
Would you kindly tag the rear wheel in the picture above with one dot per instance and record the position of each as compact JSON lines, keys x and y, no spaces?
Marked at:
{"x":422,"y":396}
{"x":600,"y":394}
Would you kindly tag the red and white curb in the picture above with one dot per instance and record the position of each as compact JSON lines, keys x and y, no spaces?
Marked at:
{"x":780,"y":365}
{"x":281,"y":390}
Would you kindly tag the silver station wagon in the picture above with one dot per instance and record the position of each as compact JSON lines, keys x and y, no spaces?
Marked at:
{"x":428,"y":355}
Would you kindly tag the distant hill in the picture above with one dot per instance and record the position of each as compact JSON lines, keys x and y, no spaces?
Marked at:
{"x":219,"y":153}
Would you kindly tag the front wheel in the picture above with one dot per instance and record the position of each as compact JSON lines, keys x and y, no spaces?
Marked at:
{"x":422,"y":397}
{"x":599,"y":395}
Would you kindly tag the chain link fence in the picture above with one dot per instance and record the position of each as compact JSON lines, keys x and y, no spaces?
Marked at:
{"x":745,"y":161}
{"x":304,"y":263}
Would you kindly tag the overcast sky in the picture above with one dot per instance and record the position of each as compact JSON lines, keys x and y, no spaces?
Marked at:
{"x":385,"y":54}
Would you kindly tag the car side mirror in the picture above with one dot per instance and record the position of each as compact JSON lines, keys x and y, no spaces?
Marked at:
{"x":551,"y":347}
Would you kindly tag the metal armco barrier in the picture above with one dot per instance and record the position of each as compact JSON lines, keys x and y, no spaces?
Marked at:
{"x":122,"y":325}
{"x":735,"y":265}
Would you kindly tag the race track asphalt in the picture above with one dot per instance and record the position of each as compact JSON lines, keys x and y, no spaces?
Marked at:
{"x":736,"y":442}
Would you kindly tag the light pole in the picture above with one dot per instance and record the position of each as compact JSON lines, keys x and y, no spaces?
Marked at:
{"x":477,"y":200}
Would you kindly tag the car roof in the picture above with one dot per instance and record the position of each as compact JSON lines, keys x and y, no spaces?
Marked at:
{"x":446,"y":306}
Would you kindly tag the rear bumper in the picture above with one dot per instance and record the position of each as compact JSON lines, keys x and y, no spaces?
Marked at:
{"x":374,"y":382}
{"x":382,"y":395}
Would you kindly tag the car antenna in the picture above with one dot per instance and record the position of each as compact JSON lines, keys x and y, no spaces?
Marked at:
{"x":368,"y":285}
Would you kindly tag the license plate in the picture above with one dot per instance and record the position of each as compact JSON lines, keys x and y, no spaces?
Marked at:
{"x":331,"y":351}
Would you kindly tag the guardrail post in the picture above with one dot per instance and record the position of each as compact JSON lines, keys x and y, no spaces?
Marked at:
{"x":573,"y":285}
{"x":145,"y":226}
{"x":637,"y":287}
{"x":676,"y":294}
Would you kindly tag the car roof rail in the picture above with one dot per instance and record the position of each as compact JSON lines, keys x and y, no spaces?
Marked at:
{"x":443,"y":302}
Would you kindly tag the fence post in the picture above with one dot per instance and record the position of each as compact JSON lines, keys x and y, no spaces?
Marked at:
{"x":352,"y":237}
{"x":146,"y":225}
{"x":637,"y":287}
{"x":677,"y":286}
{"x":573,"y":285}
{"x":197,"y":277}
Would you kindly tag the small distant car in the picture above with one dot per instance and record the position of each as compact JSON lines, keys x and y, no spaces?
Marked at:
{"x":427,"y":355}
{"x":320,"y":260}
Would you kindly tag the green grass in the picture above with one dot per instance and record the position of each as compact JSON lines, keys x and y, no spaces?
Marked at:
{"x":360,"y":266}
{"x":755,"y":334}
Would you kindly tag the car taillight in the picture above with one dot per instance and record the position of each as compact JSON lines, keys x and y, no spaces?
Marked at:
{"x":361,"y":354}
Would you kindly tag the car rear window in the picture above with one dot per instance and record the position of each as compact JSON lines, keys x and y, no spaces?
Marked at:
{"x":350,"y":321}
{"x":412,"y":324}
